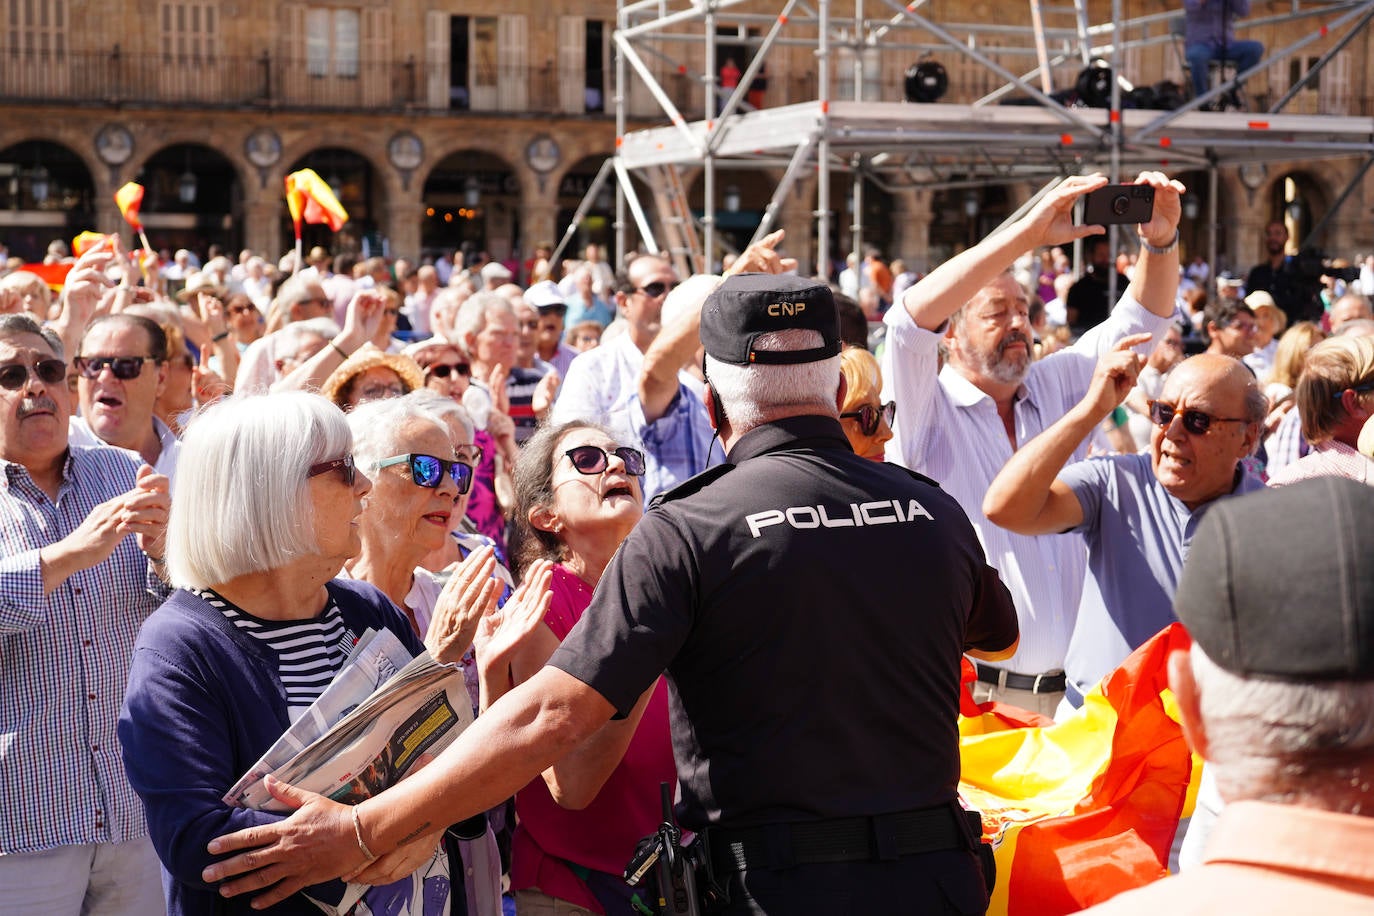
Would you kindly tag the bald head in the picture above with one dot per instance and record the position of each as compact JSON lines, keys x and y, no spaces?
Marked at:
{"x":1350,"y":307}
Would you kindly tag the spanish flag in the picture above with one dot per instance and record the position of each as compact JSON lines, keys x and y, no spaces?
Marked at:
{"x":129,"y":198}
{"x":86,"y":241}
{"x":1080,"y":810}
{"x":309,"y":197}
{"x":54,"y":275}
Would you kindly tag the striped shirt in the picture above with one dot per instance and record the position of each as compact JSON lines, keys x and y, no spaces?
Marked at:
{"x":1327,"y":459}
{"x":309,"y":652}
{"x":949,"y":429}
{"x":64,"y":662}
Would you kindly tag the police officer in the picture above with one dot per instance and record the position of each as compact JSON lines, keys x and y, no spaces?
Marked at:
{"x":810,"y":608}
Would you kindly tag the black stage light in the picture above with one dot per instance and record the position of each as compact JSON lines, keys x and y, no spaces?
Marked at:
{"x":1094,"y":85}
{"x":926,"y":81}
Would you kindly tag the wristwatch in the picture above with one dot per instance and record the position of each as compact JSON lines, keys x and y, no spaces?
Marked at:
{"x":1167,"y":249}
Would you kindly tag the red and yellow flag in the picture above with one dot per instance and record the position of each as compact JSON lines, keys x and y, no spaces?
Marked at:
{"x":129,"y":198}
{"x":86,"y":241}
{"x":1081,"y":810}
{"x":309,"y":198}
{"x":54,"y":275}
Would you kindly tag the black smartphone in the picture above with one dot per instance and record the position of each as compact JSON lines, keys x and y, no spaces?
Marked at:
{"x":1117,"y":204}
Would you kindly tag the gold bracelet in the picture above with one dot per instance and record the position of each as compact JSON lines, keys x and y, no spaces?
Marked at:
{"x":358,"y":832}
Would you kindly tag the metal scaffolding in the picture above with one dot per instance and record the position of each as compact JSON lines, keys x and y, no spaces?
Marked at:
{"x":901,"y":146}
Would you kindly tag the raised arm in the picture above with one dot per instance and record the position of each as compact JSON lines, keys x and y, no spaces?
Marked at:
{"x":1026,"y":497}
{"x":1154,"y":283}
{"x":1050,"y":222}
{"x":361,"y":320}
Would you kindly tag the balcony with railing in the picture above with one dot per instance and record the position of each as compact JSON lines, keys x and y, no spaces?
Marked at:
{"x":415,"y":86}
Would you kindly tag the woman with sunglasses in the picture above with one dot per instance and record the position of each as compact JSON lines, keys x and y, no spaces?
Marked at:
{"x":448,"y":371}
{"x":265,"y":514}
{"x":867,"y":421}
{"x":577,"y":498}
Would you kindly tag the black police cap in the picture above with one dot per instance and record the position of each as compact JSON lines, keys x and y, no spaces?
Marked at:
{"x":748,"y":305}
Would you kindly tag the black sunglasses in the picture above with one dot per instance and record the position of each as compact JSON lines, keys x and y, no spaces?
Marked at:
{"x":428,"y":471}
{"x":656,"y":289}
{"x":593,"y":459}
{"x":1359,"y":389}
{"x":350,"y":471}
{"x":1194,"y":421}
{"x":123,"y":367}
{"x":49,"y":372}
{"x":443,"y":370}
{"x":868,"y":415}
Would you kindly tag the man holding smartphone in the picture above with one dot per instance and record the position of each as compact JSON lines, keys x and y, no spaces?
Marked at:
{"x":960,"y":421}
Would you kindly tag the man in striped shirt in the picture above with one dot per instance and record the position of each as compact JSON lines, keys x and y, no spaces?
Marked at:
{"x":74,"y":589}
{"x":961,"y":422}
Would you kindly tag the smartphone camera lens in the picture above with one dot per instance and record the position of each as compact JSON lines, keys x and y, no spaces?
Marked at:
{"x":1120,"y":204}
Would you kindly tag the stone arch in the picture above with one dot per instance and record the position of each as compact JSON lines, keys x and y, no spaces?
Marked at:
{"x":193,"y":196}
{"x":473,"y":200}
{"x":50,"y":190}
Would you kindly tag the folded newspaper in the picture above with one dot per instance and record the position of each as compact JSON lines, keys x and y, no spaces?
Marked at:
{"x":384,"y":716}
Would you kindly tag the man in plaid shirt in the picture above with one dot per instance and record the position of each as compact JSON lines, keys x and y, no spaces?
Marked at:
{"x":74,"y":589}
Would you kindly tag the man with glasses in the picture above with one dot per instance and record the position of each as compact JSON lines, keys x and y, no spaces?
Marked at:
{"x":74,"y":590}
{"x":959,"y":420}
{"x":601,"y":382}
{"x":1137,"y":513}
{"x":298,"y":299}
{"x":1231,"y":328}
{"x":121,"y":372}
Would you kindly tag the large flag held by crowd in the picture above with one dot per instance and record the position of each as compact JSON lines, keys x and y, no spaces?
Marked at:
{"x":1081,"y":810}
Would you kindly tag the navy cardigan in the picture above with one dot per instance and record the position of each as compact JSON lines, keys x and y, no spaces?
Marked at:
{"x":203,"y":704}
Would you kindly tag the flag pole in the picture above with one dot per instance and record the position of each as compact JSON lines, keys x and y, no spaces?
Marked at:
{"x":143,"y":261}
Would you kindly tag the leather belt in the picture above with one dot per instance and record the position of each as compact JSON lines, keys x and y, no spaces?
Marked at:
{"x":851,"y":839}
{"x":1035,"y":683}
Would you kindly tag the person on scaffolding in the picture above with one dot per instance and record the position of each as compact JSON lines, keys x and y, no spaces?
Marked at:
{"x":1210,"y":35}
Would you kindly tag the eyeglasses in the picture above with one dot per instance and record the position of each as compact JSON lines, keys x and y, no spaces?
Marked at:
{"x":242,"y":309}
{"x":428,"y":471}
{"x":378,"y":392}
{"x":350,"y":471}
{"x":593,"y":459}
{"x":657,"y":288}
{"x":1358,"y":389}
{"x":123,"y":367}
{"x":49,"y":372}
{"x":443,"y":370}
{"x":1194,"y":421}
{"x":868,"y":415}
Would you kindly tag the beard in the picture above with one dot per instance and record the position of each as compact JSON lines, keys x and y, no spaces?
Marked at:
{"x":995,"y":363}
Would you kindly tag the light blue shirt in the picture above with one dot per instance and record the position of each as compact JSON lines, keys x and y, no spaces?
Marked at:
{"x":1138,"y":537}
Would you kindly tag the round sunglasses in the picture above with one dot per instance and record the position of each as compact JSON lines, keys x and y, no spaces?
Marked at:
{"x":48,"y":371}
{"x":1194,"y":421}
{"x":868,"y":416}
{"x":593,"y":459}
{"x":428,"y":471}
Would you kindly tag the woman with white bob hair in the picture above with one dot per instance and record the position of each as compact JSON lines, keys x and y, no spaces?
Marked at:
{"x":265,"y":514}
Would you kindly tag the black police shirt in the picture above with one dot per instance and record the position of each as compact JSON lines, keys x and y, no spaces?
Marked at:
{"x":810,"y":607}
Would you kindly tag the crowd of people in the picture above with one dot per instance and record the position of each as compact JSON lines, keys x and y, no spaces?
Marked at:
{"x":731,"y":533}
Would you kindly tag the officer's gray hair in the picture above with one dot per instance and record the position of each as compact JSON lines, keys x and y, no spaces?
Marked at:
{"x":1292,"y":743}
{"x":752,"y":395}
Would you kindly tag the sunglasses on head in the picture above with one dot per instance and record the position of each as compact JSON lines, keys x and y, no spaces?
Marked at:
{"x":49,"y":372}
{"x":656,"y":289}
{"x":443,"y":370}
{"x":428,"y":471}
{"x":868,"y":416}
{"x":123,"y":367}
{"x":593,"y":459}
{"x":1194,"y":421}
{"x":345,"y":464}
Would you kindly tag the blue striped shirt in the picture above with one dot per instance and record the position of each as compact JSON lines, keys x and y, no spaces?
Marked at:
{"x":64,"y":662}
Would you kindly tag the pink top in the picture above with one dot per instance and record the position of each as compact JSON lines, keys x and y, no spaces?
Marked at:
{"x":602,"y":836}
{"x":1327,"y":459}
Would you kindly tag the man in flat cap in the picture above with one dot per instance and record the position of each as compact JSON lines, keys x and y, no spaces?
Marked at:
{"x":1277,"y":694}
{"x":809,"y":607}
